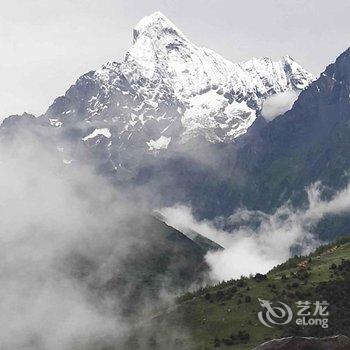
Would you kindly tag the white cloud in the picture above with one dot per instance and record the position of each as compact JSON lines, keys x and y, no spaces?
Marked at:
{"x":278,"y":104}
{"x":247,"y":250}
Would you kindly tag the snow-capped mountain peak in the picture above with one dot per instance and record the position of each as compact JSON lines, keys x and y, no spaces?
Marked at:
{"x":167,"y":91}
{"x":156,"y":25}
{"x":220,"y":98}
{"x":299,"y":77}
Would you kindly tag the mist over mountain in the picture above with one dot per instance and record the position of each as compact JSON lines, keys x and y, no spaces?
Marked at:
{"x":178,"y":124}
{"x":80,"y":261}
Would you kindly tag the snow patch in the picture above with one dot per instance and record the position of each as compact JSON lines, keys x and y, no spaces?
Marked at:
{"x":161,"y":143}
{"x":55,"y":123}
{"x":104,"y":132}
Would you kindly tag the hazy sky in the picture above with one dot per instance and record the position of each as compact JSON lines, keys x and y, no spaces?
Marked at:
{"x":45,"y":45}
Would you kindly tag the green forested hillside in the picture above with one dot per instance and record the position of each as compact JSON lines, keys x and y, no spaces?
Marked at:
{"x":225,"y":316}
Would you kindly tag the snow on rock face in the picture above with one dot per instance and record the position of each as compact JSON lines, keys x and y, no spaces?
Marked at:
{"x":212,"y":111}
{"x":55,"y":122}
{"x":155,"y":23}
{"x":161,"y":143}
{"x":167,"y":88}
{"x":105,"y":132}
{"x":162,"y":58}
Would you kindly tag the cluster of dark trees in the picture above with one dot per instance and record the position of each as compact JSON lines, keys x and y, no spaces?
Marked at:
{"x":337,"y":293}
{"x":242,"y":337}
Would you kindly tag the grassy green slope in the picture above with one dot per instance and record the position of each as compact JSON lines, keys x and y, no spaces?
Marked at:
{"x":221,"y":316}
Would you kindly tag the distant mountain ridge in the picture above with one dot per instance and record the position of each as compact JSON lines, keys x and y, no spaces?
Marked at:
{"x":309,"y":143}
{"x":277,"y":161}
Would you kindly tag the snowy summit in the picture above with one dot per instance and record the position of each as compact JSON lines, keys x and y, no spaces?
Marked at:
{"x":168,"y":91}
